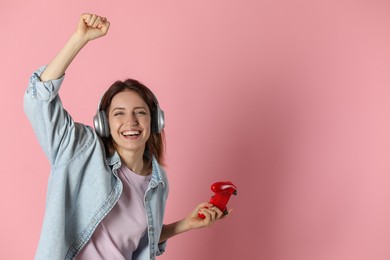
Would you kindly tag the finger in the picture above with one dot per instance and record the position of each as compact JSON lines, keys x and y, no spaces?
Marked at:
{"x":84,"y":20}
{"x":102,"y":23}
{"x":86,"y":17}
{"x":206,"y":214}
{"x":97,"y":22}
{"x":210,"y":214}
{"x":105,"y":26}
{"x":92,"y":20}
{"x":205,"y":205}
{"x":217,"y":211}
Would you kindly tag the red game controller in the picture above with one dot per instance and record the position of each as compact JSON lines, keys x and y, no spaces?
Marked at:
{"x":223,"y":190}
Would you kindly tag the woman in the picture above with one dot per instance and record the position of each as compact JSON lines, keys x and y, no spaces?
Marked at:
{"x":107,"y":188}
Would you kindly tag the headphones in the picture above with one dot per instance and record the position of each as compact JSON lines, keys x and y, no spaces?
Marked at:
{"x":102,"y":128}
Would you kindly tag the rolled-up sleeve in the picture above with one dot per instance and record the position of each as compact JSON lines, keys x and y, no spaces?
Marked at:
{"x":161,"y":248}
{"x":43,"y":90}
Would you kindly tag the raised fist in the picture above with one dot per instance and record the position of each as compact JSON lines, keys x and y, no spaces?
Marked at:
{"x":92,"y":26}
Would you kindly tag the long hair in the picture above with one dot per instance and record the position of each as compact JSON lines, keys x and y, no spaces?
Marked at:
{"x":155,"y":144}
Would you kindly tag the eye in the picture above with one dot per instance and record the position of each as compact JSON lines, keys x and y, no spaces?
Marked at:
{"x":118,"y":113}
{"x":140,"y":112}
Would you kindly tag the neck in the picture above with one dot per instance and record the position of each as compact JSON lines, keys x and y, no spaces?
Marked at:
{"x":134,"y":161}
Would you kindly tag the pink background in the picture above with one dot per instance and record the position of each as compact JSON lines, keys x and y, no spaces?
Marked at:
{"x":289,"y":99}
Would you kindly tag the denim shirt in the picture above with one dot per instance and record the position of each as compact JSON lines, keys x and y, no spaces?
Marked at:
{"x":83,"y":185}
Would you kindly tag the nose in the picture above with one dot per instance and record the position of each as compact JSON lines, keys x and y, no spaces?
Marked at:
{"x":133,"y":120}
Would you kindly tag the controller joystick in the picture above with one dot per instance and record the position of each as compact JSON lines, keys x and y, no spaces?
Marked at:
{"x":223,"y":190}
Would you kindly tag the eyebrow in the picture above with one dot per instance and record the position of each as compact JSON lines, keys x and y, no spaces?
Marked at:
{"x":118,"y":108}
{"x":122,"y":108}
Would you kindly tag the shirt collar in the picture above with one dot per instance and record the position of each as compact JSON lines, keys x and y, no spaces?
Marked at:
{"x":115,"y":162}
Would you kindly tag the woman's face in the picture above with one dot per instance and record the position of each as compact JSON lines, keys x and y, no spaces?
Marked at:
{"x":129,"y":119}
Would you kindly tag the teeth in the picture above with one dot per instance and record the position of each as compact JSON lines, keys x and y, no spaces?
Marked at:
{"x":131,"y":132}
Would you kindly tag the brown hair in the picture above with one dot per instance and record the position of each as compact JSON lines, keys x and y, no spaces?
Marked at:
{"x":155,"y":144}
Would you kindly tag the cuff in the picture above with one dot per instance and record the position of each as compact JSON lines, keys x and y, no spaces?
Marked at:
{"x":161,"y":248}
{"x":45,"y":91}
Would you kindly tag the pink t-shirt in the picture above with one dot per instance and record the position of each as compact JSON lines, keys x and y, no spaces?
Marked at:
{"x":118,"y":235}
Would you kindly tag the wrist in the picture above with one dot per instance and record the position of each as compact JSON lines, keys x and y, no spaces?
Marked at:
{"x":78,"y":39}
{"x":183,"y":226}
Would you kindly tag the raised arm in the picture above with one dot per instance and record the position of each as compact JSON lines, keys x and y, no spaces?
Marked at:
{"x":59,"y":136}
{"x":90,"y":27}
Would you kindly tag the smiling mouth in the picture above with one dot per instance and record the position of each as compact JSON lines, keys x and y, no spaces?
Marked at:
{"x":131,"y":133}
